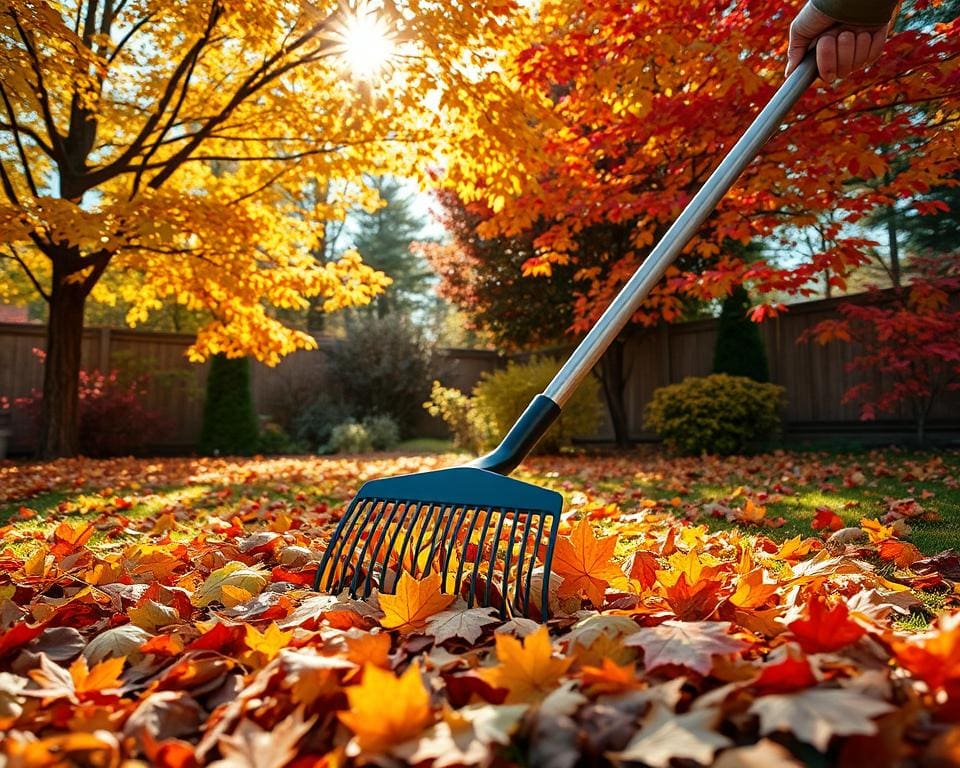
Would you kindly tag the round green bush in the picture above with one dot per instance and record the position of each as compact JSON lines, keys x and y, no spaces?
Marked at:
{"x":502,"y":396}
{"x":716,"y":414}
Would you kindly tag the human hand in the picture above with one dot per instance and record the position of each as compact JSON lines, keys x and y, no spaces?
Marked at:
{"x":841,"y":48}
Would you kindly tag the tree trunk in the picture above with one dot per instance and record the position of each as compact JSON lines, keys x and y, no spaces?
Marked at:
{"x":60,"y":415}
{"x":614,"y":381}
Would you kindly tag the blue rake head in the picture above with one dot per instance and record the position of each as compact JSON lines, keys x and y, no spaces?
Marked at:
{"x":483,"y":533}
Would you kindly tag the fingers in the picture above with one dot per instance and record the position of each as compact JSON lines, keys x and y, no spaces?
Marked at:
{"x":843,"y":52}
{"x":846,"y":51}
{"x":827,"y":57}
{"x":795,"y":52}
{"x":876,"y":44}
{"x":808,"y":25}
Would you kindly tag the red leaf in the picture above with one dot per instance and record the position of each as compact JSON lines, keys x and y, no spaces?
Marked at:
{"x":18,"y":636}
{"x":826,"y":519}
{"x":825,"y":629}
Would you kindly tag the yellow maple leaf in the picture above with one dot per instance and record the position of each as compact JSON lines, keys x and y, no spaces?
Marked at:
{"x":527,"y":669}
{"x":102,"y":677}
{"x":876,"y":531}
{"x":584,"y":562}
{"x":386,"y":710}
{"x":269,"y":643}
{"x":414,"y":602}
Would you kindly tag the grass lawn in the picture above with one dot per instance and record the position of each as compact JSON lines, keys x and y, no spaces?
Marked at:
{"x":777,"y":494}
{"x":174,"y":596}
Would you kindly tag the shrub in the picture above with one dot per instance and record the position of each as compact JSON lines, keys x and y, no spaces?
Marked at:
{"x":383,"y":432}
{"x":229,"y":421}
{"x":376,"y":433}
{"x":383,"y":367}
{"x":471,"y":431}
{"x":349,"y":437}
{"x":480,"y":422}
{"x":314,"y":424}
{"x":716,"y":414}
{"x":502,"y":396}
{"x":274,"y":441}
{"x":114,"y":421}
{"x":739,"y":350}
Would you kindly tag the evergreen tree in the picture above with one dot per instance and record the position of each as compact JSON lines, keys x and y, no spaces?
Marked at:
{"x":383,"y":239}
{"x":739,"y":350}
{"x":229,"y":420}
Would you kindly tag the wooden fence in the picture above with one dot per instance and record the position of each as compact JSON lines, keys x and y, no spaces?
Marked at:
{"x":815,"y":377}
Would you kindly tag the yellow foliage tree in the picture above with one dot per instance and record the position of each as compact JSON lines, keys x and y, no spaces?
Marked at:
{"x":178,"y":142}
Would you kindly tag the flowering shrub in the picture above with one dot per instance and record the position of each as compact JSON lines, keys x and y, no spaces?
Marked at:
{"x":114,"y":421}
{"x":716,"y":414}
{"x":479,"y":422}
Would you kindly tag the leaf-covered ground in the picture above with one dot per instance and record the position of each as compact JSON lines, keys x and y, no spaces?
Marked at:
{"x":770,"y":611}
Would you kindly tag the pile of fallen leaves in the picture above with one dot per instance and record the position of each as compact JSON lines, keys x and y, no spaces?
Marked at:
{"x":190,"y":636}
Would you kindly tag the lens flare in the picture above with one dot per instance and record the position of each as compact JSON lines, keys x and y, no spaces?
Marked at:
{"x":364,"y":39}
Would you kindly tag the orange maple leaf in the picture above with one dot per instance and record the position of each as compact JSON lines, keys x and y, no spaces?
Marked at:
{"x":585,"y":564}
{"x":527,"y":669}
{"x":825,"y":629}
{"x":414,"y":603}
{"x":903,"y":553}
{"x":934,"y":656}
{"x":386,"y":710}
{"x":610,"y":678}
{"x":753,"y":590}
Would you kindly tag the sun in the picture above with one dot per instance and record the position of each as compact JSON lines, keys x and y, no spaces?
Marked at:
{"x":365,"y":40}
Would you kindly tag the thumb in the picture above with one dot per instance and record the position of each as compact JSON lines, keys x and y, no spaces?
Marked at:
{"x":795,"y":52}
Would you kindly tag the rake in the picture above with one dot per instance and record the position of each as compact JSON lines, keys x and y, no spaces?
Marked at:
{"x":479,"y":530}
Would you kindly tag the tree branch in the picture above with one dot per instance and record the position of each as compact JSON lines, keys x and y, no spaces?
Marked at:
{"x":130,"y":33}
{"x":136,"y":146}
{"x":27,"y":173}
{"x":8,"y":187}
{"x":36,"y":283}
{"x":56,"y":141}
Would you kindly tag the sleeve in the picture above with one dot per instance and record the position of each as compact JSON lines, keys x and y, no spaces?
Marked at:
{"x":867,"y":12}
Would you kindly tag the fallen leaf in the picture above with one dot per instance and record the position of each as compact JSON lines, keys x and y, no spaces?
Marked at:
{"x":526,"y":668}
{"x":463,"y":624}
{"x":386,"y":710}
{"x":691,"y":644}
{"x":585,"y":563}
{"x":665,"y":736}
{"x":414,"y":603}
{"x":816,"y":715}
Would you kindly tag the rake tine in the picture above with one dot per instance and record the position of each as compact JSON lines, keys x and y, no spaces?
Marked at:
{"x":523,"y":548}
{"x":435,"y":539}
{"x":366,"y":544}
{"x":452,"y":545}
{"x":368,"y":584}
{"x":466,"y":543}
{"x":533,"y":564}
{"x":476,"y":560}
{"x":435,"y":521}
{"x":351,"y":548}
{"x":506,"y":564}
{"x":545,"y":598}
{"x":493,"y":558}
{"x":340,"y":535}
{"x":403,"y":545}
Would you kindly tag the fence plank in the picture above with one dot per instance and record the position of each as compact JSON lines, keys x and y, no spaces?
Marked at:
{"x":815,"y":376}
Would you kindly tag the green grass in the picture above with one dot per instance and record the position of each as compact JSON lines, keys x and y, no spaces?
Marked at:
{"x":887,"y":475}
{"x":896,"y":478}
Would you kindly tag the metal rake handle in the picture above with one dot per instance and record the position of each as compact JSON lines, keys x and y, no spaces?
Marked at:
{"x":546,"y":407}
